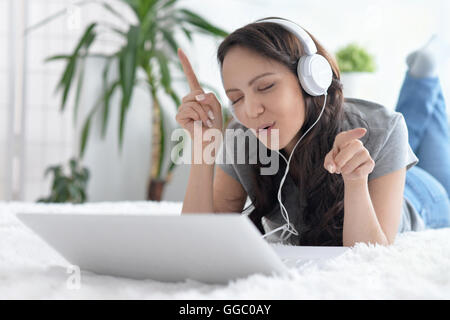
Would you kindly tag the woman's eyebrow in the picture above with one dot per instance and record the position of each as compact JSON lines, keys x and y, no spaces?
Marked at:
{"x":253,"y":80}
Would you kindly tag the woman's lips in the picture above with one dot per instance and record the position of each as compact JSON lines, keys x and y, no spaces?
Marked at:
{"x":265,"y":125}
{"x":268,"y":129}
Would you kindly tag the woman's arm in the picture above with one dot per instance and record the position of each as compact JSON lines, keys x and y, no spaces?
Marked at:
{"x":211,"y":190}
{"x":199,"y":108}
{"x":199,"y":190}
{"x":221,"y":194}
{"x":386,"y":193}
{"x":371,"y":210}
{"x":360,"y":220}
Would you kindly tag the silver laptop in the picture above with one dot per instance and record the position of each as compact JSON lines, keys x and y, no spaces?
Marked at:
{"x":211,"y":248}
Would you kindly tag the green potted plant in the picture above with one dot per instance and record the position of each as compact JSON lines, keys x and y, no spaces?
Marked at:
{"x":149,"y":48}
{"x":67,"y":187}
{"x":357,"y":68}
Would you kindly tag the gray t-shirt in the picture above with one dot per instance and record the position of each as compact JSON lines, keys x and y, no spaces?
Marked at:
{"x":386,"y":140}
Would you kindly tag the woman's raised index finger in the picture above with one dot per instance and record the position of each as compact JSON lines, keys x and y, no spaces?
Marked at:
{"x":187,"y":68}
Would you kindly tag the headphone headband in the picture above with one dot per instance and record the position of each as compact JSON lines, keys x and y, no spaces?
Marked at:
{"x":302,"y":35}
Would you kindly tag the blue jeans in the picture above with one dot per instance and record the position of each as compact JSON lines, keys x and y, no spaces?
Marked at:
{"x":427,"y":184}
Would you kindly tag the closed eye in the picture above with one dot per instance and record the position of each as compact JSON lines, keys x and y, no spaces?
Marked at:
{"x":263,"y":89}
{"x":266,"y":87}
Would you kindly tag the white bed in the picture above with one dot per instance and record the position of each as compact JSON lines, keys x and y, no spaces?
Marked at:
{"x":417,"y":266}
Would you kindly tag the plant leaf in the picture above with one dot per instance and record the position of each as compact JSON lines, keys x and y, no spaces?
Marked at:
{"x":106,"y":106}
{"x":164,"y":70}
{"x":66,"y":80}
{"x":127,"y":70}
{"x":145,"y":7}
{"x":54,"y":169}
{"x":73,"y":166}
{"x":134,"y":5}
{"x":175,"y":98}
{"x":201,"y":23}
{"x":109,"y":8}
{"x":169,"y":3}
{"x":78,"y":91}
{"x":170,"y":40}
{"x":86,"y":129}
{"x":85,"y":135}
{"x":106,"y":95}
{"x":46,"y":20}
{"x":58,"y":57}
{"x":187,"y":33}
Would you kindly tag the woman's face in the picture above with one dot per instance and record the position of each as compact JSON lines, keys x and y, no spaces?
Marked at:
{"x":264,"y":91}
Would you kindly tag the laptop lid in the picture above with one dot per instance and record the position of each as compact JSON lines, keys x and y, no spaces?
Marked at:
{"x":211,"y":248}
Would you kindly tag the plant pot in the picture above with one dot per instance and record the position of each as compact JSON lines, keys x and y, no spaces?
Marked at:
{"x":360,"y":85}
{"x":155,"y":189}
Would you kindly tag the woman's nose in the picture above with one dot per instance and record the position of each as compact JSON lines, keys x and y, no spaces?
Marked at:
{"x":253,"y":108}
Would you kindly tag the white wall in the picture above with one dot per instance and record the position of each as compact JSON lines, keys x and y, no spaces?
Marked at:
{"x":388,"y":29}
{"x":47,"y":136}
{"x":4,"y":72}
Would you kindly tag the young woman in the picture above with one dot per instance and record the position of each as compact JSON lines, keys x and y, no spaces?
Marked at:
{"x":346,"y":178}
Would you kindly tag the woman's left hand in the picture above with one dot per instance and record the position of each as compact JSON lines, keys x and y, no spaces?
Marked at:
{"x":349,"y":157}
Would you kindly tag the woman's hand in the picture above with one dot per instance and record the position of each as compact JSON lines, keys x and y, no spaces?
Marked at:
{"x":193,"y":108}
{"x":349,"y":157}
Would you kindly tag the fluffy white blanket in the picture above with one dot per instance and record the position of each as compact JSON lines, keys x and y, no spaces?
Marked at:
{"x":417,"y":266}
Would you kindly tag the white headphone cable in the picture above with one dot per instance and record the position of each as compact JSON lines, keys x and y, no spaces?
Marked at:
{"x":288,"y":227}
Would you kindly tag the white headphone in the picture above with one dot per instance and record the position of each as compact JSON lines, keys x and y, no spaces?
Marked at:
{"x":315,"y":76}
{"x":313,"y":70}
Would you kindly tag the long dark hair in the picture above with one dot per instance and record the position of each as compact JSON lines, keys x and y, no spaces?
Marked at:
{"x":322,"y":223}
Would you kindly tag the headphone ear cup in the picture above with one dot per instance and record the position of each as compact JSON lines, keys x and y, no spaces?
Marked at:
{"x":315,"y":74}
